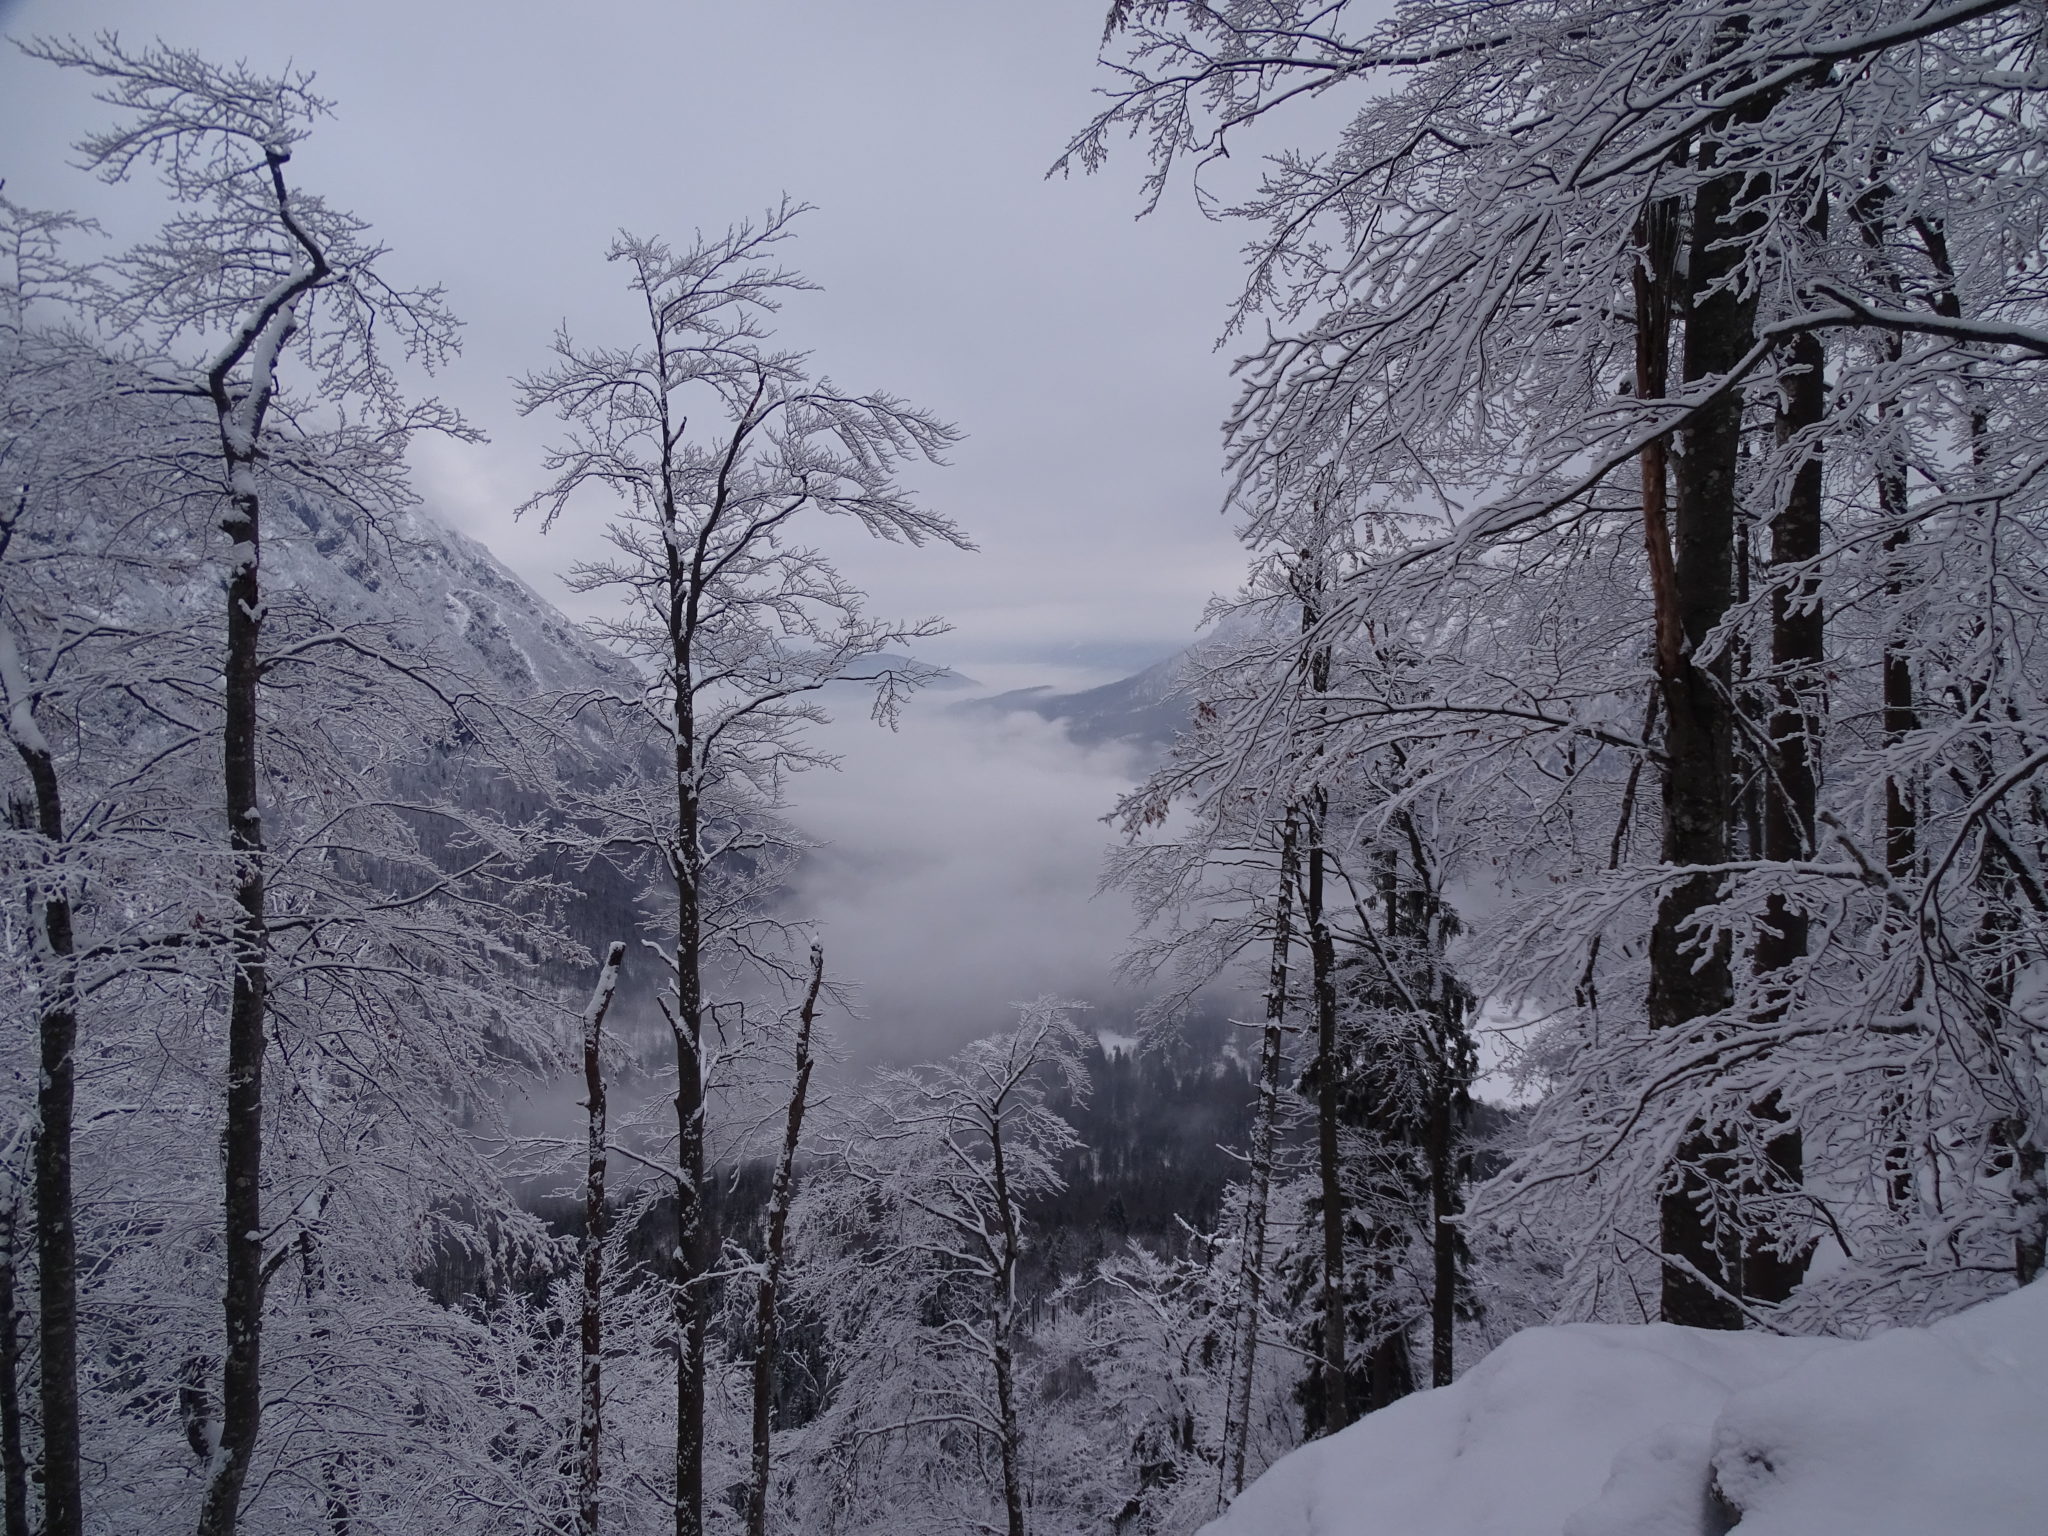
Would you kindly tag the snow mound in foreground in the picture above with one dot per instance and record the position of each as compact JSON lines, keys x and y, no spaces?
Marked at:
{"x":1597,"y":1430}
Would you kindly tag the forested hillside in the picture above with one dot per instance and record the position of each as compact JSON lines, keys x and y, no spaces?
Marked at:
{"x":1591,"y":870}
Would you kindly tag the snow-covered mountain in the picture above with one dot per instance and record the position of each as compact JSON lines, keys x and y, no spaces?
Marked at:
{"x":452,"y":592}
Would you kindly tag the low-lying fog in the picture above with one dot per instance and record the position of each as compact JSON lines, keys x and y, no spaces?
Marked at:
{"x":959,"y":876}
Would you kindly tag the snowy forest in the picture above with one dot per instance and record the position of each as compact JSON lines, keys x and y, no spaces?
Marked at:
{"x":1591,"y":869}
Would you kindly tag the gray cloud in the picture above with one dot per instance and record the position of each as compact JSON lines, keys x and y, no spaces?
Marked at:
{"x":496,"y":144}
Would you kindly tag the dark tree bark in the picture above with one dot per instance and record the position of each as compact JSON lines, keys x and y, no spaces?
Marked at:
{"x":1332,"y":1373}
{"x":1389,"y":1367}
{"x":1008,"y":1432}
{"x":590,"y":1420}
{"x":1335,"y":1379}
{"x":1798,"y":639}
{"x":1900,"y":711}
{"x":1798,"y":657}
{"x":240,"y":405}
{"x":1901,"y":716}
{"x":1444,"y":1207}
{"x":1450,"y":1067}
{"x":56,"y":1233}
{"x":767,"y":1321}
{"x":1703,"y":1272}
{"x":1657,"y":237}
{"x":693,"y":1233}
{"x":13,"y":1460}
{"x":692,"y":1254}
{"x":242,"y":1138}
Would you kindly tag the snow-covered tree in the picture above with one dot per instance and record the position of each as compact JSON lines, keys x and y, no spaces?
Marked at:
{"x":715,"y":452}
{"x":930,"y":1185}
{"x":373,"y":947}
{"x":1557,"y":303}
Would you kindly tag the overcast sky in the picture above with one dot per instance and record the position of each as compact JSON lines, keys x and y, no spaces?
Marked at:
{"x":496,"y":144}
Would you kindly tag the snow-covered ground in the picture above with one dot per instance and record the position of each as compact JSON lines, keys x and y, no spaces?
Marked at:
{"x":1594,"y":1430}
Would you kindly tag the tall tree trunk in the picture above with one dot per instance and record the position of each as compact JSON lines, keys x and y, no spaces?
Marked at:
{"x":1798,"y":633}
{"x":1444,"y":1206}
{"x":1703,"y":1271}
{"x":240,"y":410}
{"x":1871,"y":211}
{"x":692,"y":1254}
{"x":1336,"y":1387}
{"x":2027,"y":1138}
{"x":590,"y":1420}
{"x":1004,"y":1328}
{"x":13,"y":1461}
{"x":1900,"y":710}
{"x":1450,"y":1069}
{"x":1313,"y":575}
{"x":57,"y":1041}
{"x":242,"y":1136}
{"x":339,"y":1510}
{"x":1389,"y":1368}
{"x":1657,"y":239}
{"x":1798,"y":655}
{"x":767,"y":1320}
{"x":1264,"y":1134}
{"x":1901,"y":801}
{"x":692,"y":1257}
{"x":57,"y":1241}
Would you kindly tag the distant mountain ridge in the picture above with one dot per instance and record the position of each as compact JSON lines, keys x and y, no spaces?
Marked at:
{"x":1145,"y":709}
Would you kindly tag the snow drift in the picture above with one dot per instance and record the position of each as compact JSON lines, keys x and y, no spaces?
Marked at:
{"x":1655,"y":1430}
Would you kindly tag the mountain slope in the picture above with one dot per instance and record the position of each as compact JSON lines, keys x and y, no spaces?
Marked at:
{"x":453,"y":594}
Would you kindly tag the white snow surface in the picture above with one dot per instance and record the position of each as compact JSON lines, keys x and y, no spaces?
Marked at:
{"x":1653,"y":1430}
